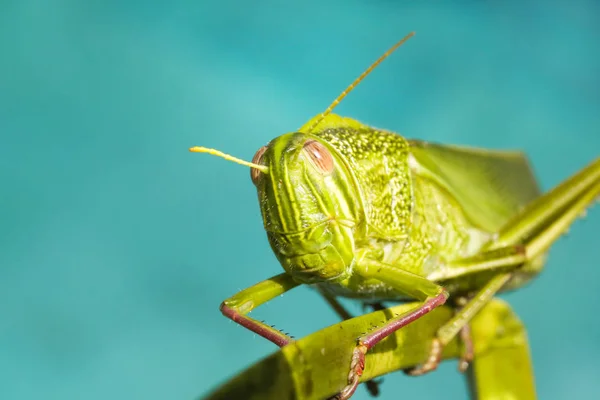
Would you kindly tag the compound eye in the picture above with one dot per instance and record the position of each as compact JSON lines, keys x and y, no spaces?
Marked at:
{"x":320,"y":157}
{"x":257,"y":159}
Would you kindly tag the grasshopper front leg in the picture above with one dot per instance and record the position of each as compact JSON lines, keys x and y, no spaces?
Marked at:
{"x":411,"y":284}
{"x":237,"y":306}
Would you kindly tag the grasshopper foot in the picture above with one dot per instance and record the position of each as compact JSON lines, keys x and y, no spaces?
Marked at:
{"x":435,"y":356}
{"x":357,"y":367}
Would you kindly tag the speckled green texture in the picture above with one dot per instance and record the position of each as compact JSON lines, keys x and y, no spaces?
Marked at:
{"x":378,"y":160}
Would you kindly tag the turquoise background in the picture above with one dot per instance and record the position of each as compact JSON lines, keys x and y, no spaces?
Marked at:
{"x":117,"y":245}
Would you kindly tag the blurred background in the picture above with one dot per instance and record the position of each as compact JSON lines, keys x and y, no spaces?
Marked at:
{"x":117,"y":245}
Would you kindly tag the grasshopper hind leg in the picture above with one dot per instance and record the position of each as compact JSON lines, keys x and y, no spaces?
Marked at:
{"x":520,"y":249}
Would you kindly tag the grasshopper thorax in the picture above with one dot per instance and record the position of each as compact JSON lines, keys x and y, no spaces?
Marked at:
{"x":309,"y":206}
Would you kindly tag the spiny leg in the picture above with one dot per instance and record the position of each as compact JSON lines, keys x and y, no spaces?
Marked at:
{"x":367,"y":342}
{"x":373,"y":385}
{"x":404,"y":282}
{"x":237,"y":306}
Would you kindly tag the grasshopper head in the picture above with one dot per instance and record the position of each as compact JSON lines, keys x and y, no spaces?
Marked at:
{"x":308,"y":197}
{"x":308,"y":204}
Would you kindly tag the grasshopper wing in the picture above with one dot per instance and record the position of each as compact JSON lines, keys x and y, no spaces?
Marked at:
{"x":490,"y":186}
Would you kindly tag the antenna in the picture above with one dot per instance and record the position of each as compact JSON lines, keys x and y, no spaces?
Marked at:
{"x":199,"y":149}
{"x":357,"y":81}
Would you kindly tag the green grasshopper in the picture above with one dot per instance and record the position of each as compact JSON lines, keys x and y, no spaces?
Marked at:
{"x":365,"y":213}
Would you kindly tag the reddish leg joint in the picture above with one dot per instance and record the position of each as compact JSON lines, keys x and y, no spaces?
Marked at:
{"x":357,"y":366}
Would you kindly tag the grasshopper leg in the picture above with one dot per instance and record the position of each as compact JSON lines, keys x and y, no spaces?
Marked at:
{"x":237,"y":306}
{"x":466,"y":339}
{"x":435,"y":355}
{"x":372,"y":385}
{"x":447,"y":332}
{"x":468,"y":352}
{"x":405,"y":282}
{"x":365,"y":343}
{"x":562,"y":206}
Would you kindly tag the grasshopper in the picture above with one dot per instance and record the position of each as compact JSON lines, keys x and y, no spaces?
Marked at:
{"x":364,"y":213}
